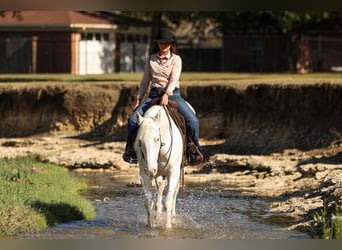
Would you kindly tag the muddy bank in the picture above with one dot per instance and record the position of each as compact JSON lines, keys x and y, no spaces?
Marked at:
{"x":255,"y":118}
{"x":266,"y":118}
{"x":28,"y":109}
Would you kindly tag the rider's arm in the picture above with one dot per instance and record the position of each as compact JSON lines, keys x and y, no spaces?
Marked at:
{"x":147,"y":76}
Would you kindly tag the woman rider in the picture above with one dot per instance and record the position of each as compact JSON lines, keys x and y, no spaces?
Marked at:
{"x":162,"y":69}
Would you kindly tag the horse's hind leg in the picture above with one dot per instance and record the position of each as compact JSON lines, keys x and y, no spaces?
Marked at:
{"x":175,"y":199}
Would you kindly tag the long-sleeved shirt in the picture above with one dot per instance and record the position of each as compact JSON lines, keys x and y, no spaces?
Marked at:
{"x":161,"y":72}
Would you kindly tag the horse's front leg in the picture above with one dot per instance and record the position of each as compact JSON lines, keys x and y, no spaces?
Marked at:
{"x":148,"y":192}
{"x":160,"y":183}
{"x":175,"y":199}
{"x":170,"y":202}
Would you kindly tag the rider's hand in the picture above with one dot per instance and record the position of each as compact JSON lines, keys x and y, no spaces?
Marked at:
{"x":164,"y":100}
{"x":136,"y":105}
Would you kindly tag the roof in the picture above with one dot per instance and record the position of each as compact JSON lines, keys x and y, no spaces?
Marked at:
{"x":55,"y":20}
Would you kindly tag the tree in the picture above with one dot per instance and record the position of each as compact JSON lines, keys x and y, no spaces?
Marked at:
{"x":278,"y":21}
{"x":173,"y":19}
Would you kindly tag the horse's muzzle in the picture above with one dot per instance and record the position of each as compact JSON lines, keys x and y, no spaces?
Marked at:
{"x":151,"y":172}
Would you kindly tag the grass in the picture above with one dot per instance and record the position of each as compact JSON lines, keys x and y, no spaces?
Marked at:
{"x":36,"y":195}
{"x":186,"y":76}
{"x":330,"y":227}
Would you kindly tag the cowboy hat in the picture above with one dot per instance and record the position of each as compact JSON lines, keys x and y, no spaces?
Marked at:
{"x":164,"y":35}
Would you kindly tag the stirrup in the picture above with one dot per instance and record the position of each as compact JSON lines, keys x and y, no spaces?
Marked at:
{"x":196,"y":158}
{"x":194,"y":154}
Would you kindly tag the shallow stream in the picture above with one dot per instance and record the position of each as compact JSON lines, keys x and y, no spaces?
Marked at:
{"x":207,"y":213}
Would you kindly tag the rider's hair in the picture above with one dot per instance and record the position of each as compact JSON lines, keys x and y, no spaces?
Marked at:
{"x":155,"y":48}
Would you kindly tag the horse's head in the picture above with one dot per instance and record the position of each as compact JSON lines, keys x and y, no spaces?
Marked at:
{"x":147,"y":143}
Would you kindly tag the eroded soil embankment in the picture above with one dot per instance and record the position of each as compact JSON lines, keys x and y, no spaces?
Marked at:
{"x":265,"y":118}
{"x":260,"y":118}
{"x":28,"y":109}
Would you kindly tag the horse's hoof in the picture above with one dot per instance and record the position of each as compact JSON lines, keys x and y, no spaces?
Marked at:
{"x":150,"y":225}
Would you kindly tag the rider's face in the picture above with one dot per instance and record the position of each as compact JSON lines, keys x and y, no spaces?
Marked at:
{"x":164,"y":46}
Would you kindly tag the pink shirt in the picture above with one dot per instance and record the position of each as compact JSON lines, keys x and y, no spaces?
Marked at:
{"x":161,"y":72}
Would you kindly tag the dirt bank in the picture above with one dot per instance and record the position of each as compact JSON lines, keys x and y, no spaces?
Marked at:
{"x":269,"y":138}
{"x":28,"y":109}
{"x":261,"y":117}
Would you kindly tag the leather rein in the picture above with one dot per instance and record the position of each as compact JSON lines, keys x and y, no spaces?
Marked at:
{"x":167,"y":162}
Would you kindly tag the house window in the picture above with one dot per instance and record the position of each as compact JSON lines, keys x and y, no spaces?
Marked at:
{"x":137,"y":38}
{"x":133,"y":38}
{"x":87,"y":36}
{"x":122,"y":37}
{"x":98,"y":36}
{"x":105,"y":37}
{"x":145,"y":38}
{"x":95,"y":36}
{"x":129,"y":38}
{"x":256,"y":55}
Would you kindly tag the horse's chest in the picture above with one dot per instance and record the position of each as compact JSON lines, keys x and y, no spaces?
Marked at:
{"x":163,"y":168}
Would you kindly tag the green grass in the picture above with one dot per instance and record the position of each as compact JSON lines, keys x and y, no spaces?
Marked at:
{"x":337,"y":224}
{"x":330,"y":228}
{"x":36,"y":195}
{"x":186,"y":76}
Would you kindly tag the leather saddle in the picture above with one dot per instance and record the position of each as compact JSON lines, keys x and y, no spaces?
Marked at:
{"x":191,"y":155}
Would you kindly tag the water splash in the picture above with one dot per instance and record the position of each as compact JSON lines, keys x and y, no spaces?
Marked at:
{"x":208,"y":213}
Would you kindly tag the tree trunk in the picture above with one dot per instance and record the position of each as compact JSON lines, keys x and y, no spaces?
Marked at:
{"x":156,"y":25}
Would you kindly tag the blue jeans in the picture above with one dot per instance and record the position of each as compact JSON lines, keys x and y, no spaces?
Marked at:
{"x":192,"y":123}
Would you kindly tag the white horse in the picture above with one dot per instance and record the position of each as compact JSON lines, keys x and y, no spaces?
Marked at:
{"x":159,"y":149}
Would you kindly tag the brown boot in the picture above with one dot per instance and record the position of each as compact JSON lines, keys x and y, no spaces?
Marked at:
{"x":130,"y":156}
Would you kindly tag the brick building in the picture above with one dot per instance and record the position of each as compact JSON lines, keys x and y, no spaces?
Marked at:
{"x":302,"y":53}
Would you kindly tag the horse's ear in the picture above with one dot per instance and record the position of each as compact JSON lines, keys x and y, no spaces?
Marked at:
{"x":139,"y":118}
{"x":157,"y":117}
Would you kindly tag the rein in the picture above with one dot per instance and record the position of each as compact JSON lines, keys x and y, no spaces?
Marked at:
{"x":167,"y":162}
{"x":170,"y":129}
